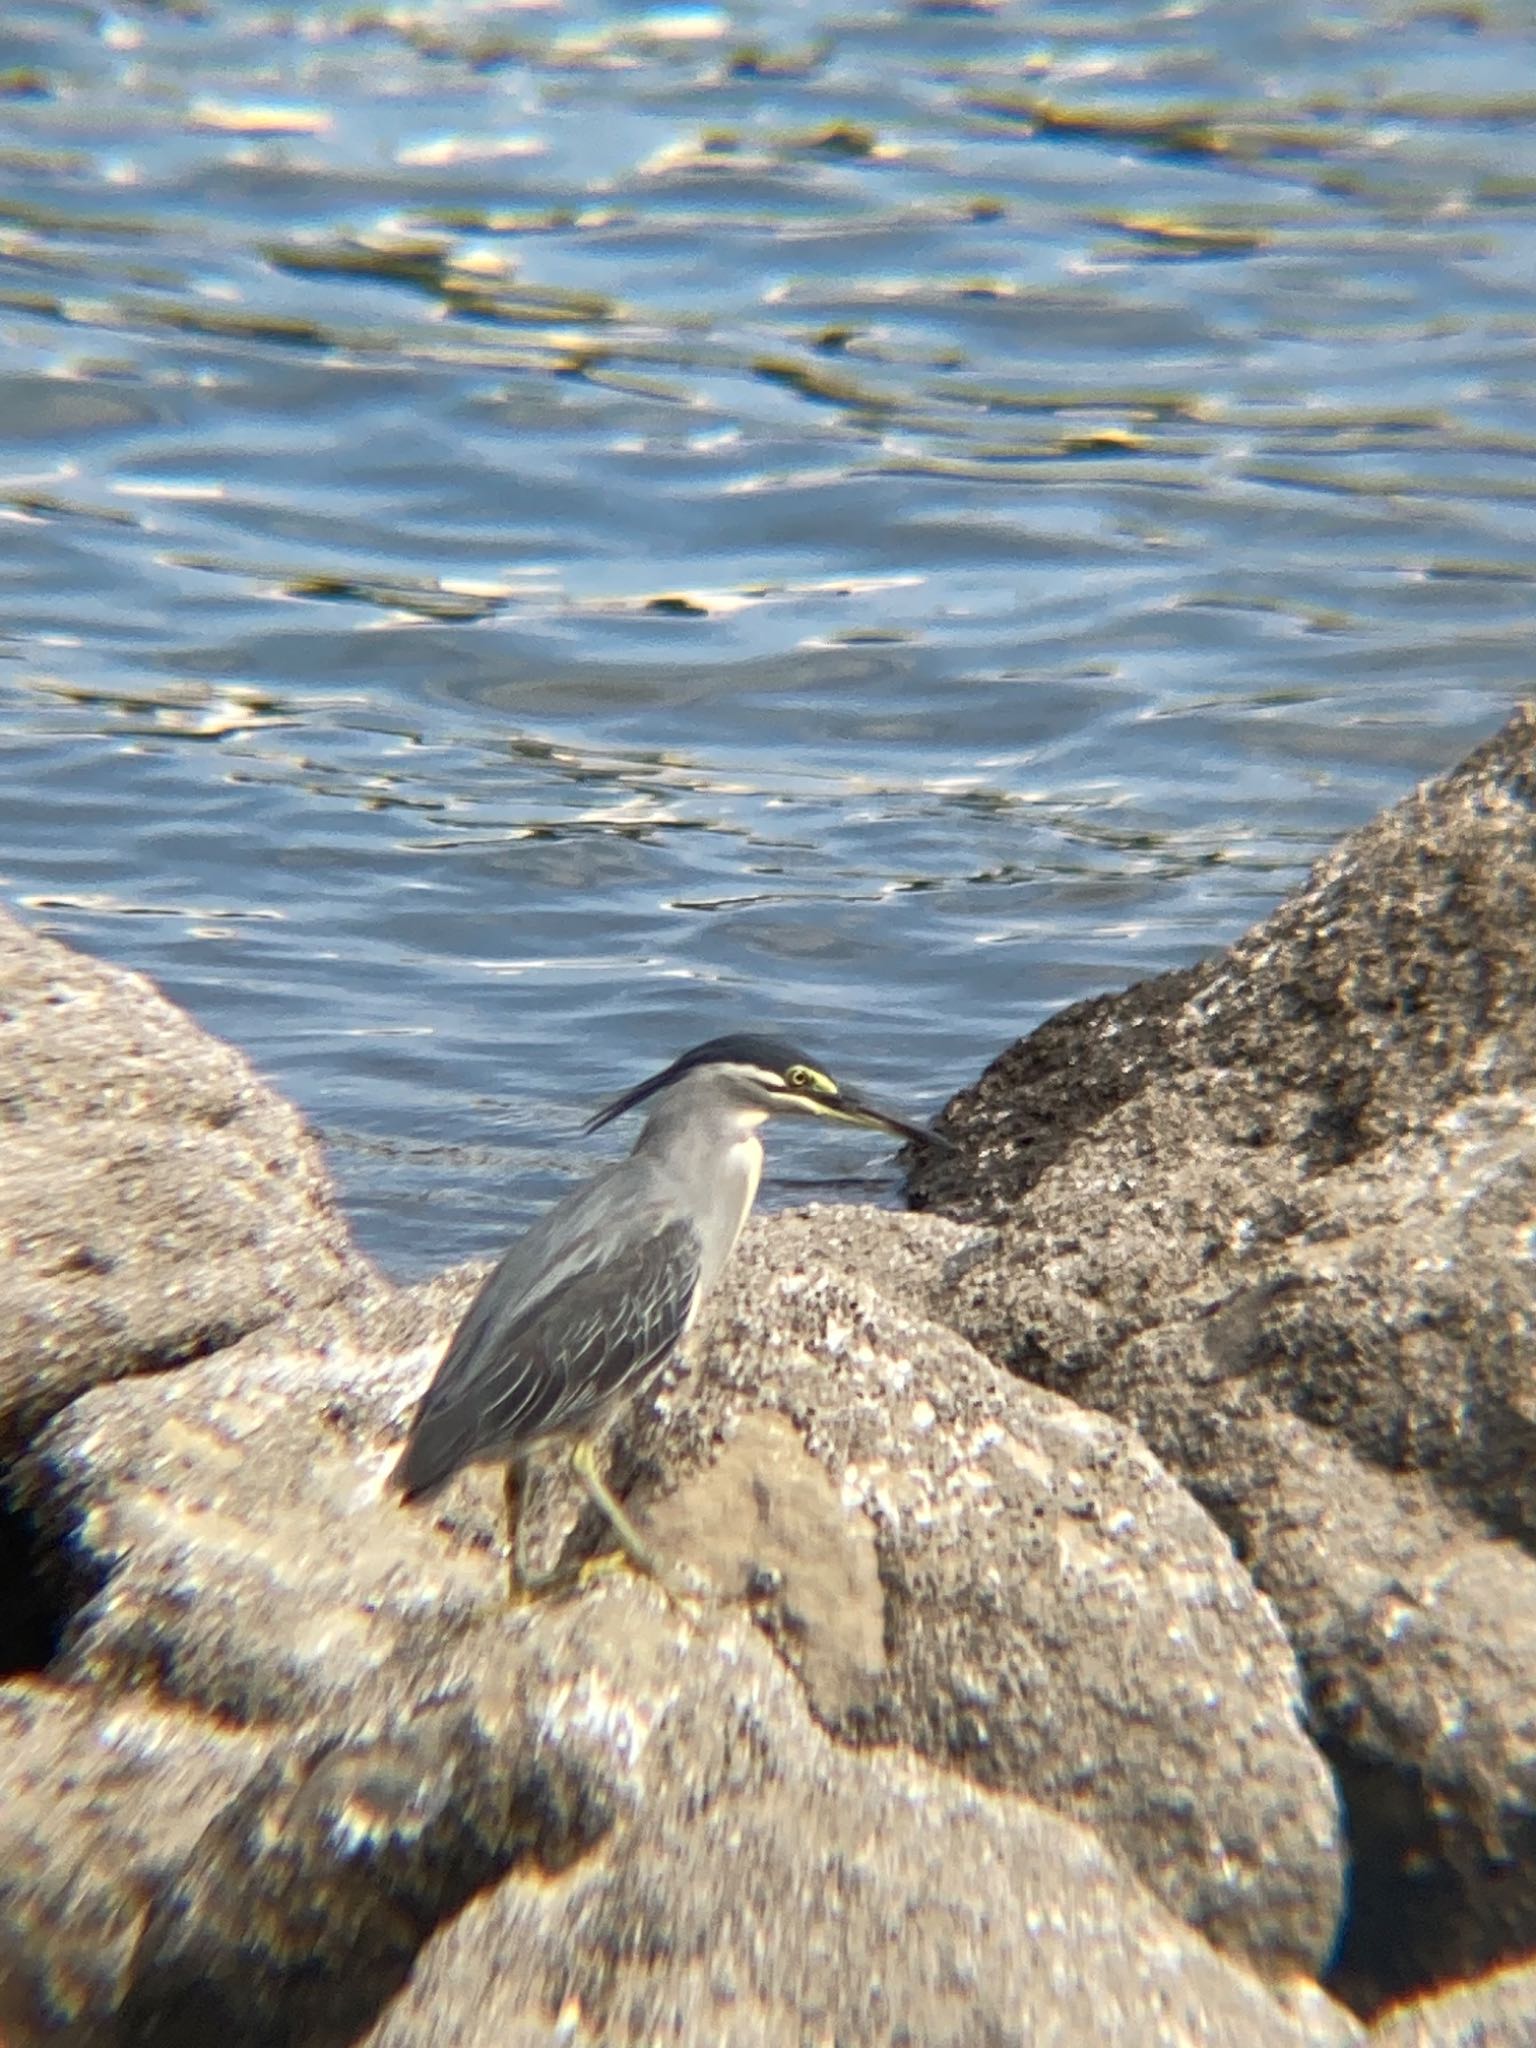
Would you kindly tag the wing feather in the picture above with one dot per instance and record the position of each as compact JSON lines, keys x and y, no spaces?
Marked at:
{"x":531,"y":1361}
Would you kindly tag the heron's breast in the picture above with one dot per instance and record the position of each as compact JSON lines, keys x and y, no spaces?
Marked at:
{"x":747,"y":1152}
{"x":737,"y":1176}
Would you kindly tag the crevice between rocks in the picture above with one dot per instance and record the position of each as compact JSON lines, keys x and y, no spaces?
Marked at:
{"x":34,"y":1611}
{"x":1407,"y":1919}
{"x":43,"y":1579}
{"x":302,"y":1909}
{"x":46,"y":1579}
{"x":1396,"y":1883}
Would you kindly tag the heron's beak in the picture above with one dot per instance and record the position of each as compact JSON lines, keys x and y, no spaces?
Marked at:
{"x":852,"y":1108}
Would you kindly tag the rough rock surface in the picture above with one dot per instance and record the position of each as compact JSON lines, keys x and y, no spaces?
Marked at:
{"x":993,"y":1733}
{"x":640,"y":1794}
{"x":1497,"y":2012}
{"x":741,"y":1821}
{"x":664,"y":1847}
{"x":952,"y":1562}
{"x":992,"y":1577}
{"x":102,"y":1803}
{"x":305,"y":1901}
{"x":158,"y":1200}
{"x":1277,"y":1212}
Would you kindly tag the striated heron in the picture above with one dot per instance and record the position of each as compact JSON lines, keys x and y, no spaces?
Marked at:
{"x":585,"y":1310}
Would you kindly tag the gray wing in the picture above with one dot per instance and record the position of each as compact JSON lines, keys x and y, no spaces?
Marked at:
{"x":530,"y":1360}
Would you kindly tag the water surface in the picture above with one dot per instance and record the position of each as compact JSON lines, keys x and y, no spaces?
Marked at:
{"x":530,"y":536}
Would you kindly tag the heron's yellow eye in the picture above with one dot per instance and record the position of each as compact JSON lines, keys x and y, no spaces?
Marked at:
{"x":811,"y":1081}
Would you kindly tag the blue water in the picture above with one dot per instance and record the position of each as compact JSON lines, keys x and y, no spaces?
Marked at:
{"x":532,"y":536}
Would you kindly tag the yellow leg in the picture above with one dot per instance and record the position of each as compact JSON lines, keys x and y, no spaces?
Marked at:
{"x":527,"y":1585}
{"x":522,"y":1582}
{"x":631,"y":1542}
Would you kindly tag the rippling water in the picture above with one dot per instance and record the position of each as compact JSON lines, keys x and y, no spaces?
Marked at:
{"x":532,"y":535}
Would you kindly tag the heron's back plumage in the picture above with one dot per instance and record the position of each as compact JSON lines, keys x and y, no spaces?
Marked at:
{"x":578,"y":1313}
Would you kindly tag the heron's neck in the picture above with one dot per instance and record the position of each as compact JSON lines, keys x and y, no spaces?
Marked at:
{"x":675,"y":1131}
{"x":720,"y":1152}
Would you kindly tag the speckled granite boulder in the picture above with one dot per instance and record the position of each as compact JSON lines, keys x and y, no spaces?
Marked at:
{"x":1497,"y":2012}
{"x":951,"y":1563}
{"x":433,"y":1771}
{"x":1277,"y":1212}
{"x":158,"y":1199}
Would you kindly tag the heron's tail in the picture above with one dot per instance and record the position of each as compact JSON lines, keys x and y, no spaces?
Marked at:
{"x":435,"y":1449}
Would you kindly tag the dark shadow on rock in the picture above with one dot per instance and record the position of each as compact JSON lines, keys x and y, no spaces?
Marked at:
{"x":301,"y":1910}
{"x":46,"y":1577}
{"x":1419,"y":1879}
{"x":32,"y":1621}
{"x":1401,"y":1890}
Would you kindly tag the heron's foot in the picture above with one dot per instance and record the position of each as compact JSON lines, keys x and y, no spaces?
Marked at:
{"x":524,"y":1587}
{"x":684,"y":1588}
{"x":606,"y":1565}
{"x":680,"y":1585}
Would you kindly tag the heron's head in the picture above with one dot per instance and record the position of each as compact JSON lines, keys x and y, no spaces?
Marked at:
{"x":754,"y":1074}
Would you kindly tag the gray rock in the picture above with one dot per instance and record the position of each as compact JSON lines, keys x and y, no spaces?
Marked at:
{"x":950,"y":1561}
{"x":996,"y":1579}
{"x":101,"y":1806}
{"x":1418,"y":1633}
{"x":606,"y":1806}
{"x":303,"y":1905}
{"x":229,"y":1539}
{"x":762,"y":1885}
{"x":993,"y":1721}
{"x":1275,"y":1213}
{"x":158,"y":1199}
{"x":1499,"y":2012}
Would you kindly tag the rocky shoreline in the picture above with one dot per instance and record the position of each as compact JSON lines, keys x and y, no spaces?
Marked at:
{"x":1128,"y":1608}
